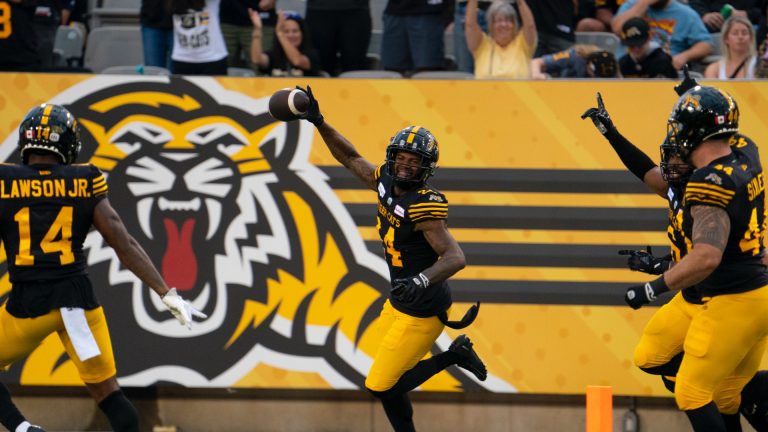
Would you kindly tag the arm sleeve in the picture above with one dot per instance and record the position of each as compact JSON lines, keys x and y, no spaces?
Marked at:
{"x":637,"y":162}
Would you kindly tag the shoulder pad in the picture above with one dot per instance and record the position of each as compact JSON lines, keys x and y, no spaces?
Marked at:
{"x":710,"y":186}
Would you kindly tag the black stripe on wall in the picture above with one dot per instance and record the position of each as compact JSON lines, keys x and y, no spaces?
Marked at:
{"x":528,"y":217}
{"x":541,"y":255}
{"x":514,"y":180}
{"x":543,"y":292}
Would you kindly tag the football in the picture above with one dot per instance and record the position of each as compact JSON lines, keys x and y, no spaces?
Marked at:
{"x":288,"y":104}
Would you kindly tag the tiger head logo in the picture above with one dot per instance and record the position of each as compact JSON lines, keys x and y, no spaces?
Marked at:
{"x":203,"y":178}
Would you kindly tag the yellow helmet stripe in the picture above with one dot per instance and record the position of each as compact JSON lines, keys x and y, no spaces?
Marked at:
{"x":413,"y":133}
{"x":46,"y":113}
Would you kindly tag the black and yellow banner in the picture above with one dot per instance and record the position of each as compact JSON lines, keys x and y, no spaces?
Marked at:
{"x":256,"y":223}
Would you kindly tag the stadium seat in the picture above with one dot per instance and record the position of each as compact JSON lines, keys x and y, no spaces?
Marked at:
{"x":113,"y":46}
{"x":605,"y":40}
{"x":240,"y":72}
{"x":136,"y":70}
{"x":372,"y":74}
{"x":445,"y":75}
{"x":299,"y":6}
{"x":116,"y":12}
{"x":374,"y":45}
{"x":68,"y":46}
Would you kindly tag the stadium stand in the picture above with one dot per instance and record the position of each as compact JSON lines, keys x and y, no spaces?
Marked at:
{"x":605,"y":40}
{"x":371,"y":74}
{"x":115,"y":12}
{"x":447,"y":74}
{"x":68,"y":46}
{"x":113,"y":46}
{"x":136,"y":70}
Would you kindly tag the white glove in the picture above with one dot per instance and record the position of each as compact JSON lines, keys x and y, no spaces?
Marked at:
{"x":180,"y":308}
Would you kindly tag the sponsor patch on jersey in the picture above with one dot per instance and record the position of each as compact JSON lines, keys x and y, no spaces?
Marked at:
{"x":382,"y":191}
{"x":399,"y":211}
{"x":714,"y":178}
{"x":389,"y":201}
{"x":437,"y":198}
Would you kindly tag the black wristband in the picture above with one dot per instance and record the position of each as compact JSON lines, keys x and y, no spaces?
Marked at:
{"x":659,"y":286}
{"x":637,"y":162}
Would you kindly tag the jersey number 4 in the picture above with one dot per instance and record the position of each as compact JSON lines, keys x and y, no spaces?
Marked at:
{"x":58,"y":239}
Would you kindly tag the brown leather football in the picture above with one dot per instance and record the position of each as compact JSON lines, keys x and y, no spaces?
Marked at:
{"x":288,"y":104}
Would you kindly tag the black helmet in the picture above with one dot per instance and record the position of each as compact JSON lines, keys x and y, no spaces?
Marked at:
{"x":676,"y":172}
{"x":419,"y":141}
{"x":49,"y":128}
{"x":700,"y":114}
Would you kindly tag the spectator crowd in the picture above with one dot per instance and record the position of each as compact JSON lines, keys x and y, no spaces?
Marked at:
{"x":500,"y":39}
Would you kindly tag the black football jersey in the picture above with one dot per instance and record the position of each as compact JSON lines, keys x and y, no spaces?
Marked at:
{"x":18,"y":42}
{"x":735,"y":184}
{"x":406,"y":250}
{"x":46,"y":212}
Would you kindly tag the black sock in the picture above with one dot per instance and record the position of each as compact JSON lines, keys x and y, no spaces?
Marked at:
{"x":732,"y":422}
{"x":754,"y":401}
{"x":669,"y":368}
{"x":423,"y":371}
{"x":399,"y":411}
{"x":706,"y":419}
{"x":669,"y":383}
{"x":121,"y":413}
{"x":10,"y":416}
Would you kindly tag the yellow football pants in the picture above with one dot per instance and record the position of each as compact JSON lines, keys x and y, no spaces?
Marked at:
{"x":406,"y":340}
{"x":723,"y":339}
{"x":20,"y":336}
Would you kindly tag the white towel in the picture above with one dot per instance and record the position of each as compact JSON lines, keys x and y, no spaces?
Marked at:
{"x":79,"y":333}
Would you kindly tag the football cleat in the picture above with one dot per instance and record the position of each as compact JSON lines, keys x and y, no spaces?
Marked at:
{"x":468,"y":358}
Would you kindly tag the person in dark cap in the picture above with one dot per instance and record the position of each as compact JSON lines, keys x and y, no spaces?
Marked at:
{"x":644,"y":58}
{"x":580,"y":61}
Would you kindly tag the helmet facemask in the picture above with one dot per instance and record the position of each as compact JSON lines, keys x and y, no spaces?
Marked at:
{"x":675,"y":169}
{"x":417,"y":141}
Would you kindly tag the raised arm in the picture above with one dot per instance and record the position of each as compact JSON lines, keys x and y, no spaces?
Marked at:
{"x":637,"y":10}
{"x":257,"y":51}
{"x":637,"y":162}
{"x":529,"y":24}
{"x":472,"y":31}
{"x":340,"y":147}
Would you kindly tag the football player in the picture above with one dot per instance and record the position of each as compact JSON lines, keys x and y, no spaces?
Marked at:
{"x":421,"y":254}
{"x":660,"y":350}
{"x":47,"y":206}
{"x":11,"y":417}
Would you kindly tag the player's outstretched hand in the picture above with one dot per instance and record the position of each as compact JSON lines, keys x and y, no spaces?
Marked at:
{"x":687,"y":83}
{"x":313,"y":114}
{"x":599,"y":116}
{"x":644,"y":261}
{"x":181,"y":309}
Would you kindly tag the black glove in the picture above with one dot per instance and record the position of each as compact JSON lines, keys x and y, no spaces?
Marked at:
{"x":313,"y":114}
{"x":406,"y":290}
{"x":687,"y":83}
{"x":645,"y":262}
{"x":600,"y":117}
{"x":639,"y":295}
